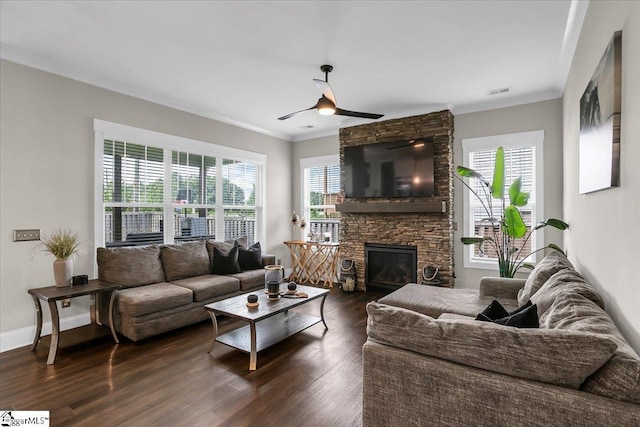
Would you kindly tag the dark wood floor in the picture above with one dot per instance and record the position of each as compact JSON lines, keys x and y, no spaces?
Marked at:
{"x":312,"y":379}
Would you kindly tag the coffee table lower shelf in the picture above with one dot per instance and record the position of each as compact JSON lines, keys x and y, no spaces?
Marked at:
{"x":269,"y":331}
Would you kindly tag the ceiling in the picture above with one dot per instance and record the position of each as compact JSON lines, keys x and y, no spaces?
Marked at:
{"x":249,"y":62}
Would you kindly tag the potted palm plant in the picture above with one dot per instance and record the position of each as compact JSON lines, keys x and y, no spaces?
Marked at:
{"x":62,"y":243}
{"x":510,"y":226}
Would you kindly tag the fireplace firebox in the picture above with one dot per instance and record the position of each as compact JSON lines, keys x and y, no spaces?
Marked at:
{"x":390,"y":266}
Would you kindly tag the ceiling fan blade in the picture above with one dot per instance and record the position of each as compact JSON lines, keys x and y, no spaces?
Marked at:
{"x":341,"y":112}
{"x":288,"y":116}
{"x":326,"y":90}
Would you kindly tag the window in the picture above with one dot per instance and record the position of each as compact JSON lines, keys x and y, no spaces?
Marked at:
{"x":158,"y":188}
{"x":523,"y":158}
{"x":320,"y":190}
{"x":132,"y":189}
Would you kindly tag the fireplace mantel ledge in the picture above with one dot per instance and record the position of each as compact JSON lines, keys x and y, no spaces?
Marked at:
{"x":435,"y":206}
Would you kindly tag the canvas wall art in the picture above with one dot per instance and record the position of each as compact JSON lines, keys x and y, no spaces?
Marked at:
{"x":600,"y":122}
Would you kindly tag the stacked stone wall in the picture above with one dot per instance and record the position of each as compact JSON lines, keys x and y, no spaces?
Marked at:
{"x":431,"y":232}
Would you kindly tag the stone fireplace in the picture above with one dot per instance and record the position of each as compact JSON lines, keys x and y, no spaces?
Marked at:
{"x":425,"y":223}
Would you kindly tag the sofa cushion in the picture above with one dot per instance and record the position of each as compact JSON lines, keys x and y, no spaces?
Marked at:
{"x":209,"y":286}
{"x":548,"y":266}
{"x":452,"y":316}
{"x":251,"y":258}
{"x":183,"y":260}
{"x":565,"y":281}
{"x":130,"y":266}
{"x":433,"y":301}
{"x":619,"y":378}
{"x":556,"y":356}
{"x":152,"y":298}
{"x":250,"y":279}
{"x":225,"y":262}
{"x":242,"y":242}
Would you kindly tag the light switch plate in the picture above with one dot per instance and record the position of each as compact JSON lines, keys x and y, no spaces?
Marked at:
{"x":26,"y":235}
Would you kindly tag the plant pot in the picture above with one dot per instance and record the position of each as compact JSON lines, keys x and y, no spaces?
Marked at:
{"x":63,"y":271}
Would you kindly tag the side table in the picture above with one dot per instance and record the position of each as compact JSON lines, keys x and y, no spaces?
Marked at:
{"x":314,"y":262}
{"x":51,"y":294}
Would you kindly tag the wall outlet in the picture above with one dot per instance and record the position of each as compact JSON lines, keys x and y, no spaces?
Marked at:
{"x":26,"y":235}
{"x":66,"y":303}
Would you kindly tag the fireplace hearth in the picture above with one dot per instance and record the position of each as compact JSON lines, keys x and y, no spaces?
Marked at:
{"x":390,"y":266}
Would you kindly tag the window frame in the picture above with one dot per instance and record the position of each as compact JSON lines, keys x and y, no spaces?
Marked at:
{"x":533,"y":139}
{"x":169,"y":143}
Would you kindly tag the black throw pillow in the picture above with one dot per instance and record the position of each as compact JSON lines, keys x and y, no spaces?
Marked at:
{"x":497,"y":311}
{"x":525,"y":318}
{"x":494,"y":311}
{"x":225,"y":262}
{"x":250,"y":259}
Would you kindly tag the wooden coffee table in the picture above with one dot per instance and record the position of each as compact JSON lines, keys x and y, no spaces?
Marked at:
{"x":269,"y":323}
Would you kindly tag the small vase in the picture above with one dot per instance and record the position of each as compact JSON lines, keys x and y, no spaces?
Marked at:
{"x":62,"y":272}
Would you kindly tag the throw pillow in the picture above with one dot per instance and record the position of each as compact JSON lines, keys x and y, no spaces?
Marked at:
{"x":524,"y":317}
{"x":555,"y":356}
{"x":225,"y":262}
{"x":223,"y":246}
{"x":250,"y":259}
{"x":496,"y":311}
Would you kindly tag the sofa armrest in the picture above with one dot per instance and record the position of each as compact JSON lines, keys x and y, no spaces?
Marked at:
{"x":268,"y":259}
{"x":500,"y":287}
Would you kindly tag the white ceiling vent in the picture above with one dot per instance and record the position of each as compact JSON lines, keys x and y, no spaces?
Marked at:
{"x":498,"y":91}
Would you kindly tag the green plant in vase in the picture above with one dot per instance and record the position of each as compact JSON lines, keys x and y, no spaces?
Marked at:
{"x":506,"y":230}
{"x":62,"y":243}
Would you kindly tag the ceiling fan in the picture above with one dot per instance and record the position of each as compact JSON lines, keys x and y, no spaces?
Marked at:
{"x":327,"y":105}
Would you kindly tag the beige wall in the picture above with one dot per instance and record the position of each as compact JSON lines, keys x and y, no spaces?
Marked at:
{"x":546,"y":116}
{"x":604,"y":238}
{"x":46,"y":137}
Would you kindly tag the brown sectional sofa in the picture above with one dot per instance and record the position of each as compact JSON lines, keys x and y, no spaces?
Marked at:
{"x":166,"y":287}
{"x":428,"y":362}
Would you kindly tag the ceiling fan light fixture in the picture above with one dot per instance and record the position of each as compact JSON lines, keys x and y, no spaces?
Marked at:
{"x":326,"y":107}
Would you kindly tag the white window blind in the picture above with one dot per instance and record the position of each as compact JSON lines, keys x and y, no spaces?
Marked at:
{"x":523,"y":154}
{"x":320,"y":191}
{"x":133,"y":173}
{"x":193,"y":178}
{"x":241,"y":207}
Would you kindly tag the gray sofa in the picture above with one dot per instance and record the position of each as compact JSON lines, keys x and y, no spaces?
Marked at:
{"x":166,"y":287}
{"x":427,"y":362}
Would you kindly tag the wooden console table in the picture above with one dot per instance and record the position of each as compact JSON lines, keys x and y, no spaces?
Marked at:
{"x":314,"y":262}
{"x":52,"y":294}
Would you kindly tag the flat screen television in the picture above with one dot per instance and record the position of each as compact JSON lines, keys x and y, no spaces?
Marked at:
{"x":390,"y":169}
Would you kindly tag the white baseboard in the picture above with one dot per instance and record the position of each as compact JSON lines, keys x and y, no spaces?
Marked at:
{"x":24,"y":336}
